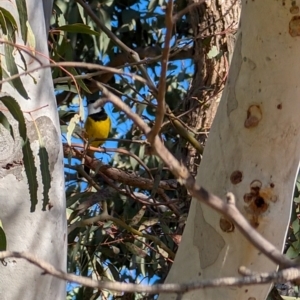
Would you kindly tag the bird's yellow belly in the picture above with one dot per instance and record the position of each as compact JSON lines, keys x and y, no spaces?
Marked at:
{"x":97,"y":130}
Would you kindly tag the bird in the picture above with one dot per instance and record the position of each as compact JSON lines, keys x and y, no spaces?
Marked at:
{"x":97,"y":126}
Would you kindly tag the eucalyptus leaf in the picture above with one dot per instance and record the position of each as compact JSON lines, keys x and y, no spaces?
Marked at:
{"x":78,"y":28}
{"x":22,"y":12}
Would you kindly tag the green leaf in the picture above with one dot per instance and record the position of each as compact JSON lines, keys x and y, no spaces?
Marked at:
{"x":78,"y":28}
{"x":3,"y":242}
{"x":22,"y":10}
{"x":296,"y":226}
{"x":31,"y":173}
{"x":15,"y":110}
{"x":3,"y":23}
{"x":6,"y":124}
{"x":103,"y":40}
{"x":292,"y":252}
{"x":46,"y":176}
{"x":13,"y":70}
{"x":7,"y":22}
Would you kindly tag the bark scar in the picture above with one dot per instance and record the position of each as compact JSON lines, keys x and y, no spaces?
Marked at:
{"x":237,"y":60}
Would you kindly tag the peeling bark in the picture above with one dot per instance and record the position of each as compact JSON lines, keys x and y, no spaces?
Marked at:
{"x":214,"y":24}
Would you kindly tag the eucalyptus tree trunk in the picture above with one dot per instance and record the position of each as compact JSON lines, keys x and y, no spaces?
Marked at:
{"x":27,"y":226}
{"x":252,"y":151}
{"x":214,"y":25}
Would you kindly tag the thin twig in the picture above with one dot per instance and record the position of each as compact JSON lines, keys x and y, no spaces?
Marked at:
{"x":116,"y":150}
{"x":284,"y":275}
{"x":161,"y":106}
{"x":75,"y":64}
{"x":122,"y":176}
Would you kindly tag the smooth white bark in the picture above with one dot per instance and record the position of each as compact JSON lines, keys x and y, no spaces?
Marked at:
{"x":43,"y":232}
{"x":256,"y":131}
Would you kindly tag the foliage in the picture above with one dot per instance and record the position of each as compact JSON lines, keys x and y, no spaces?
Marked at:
{"x":136,"y":242}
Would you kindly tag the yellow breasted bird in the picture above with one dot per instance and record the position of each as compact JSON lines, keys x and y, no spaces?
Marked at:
{"x":97,"y":126}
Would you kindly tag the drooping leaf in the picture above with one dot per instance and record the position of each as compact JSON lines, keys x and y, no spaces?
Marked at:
{"x":31,"y":173}
{"x":46,"y":176}
{"x":13,"y":70}
{"x":8,"y":23}
{"x":78,"y":28}
{"x":103,"y":41}
{"x":23,"y":16}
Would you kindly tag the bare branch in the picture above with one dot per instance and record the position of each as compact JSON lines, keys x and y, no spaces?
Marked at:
{"x":284,"y":275}
{"x":75,"y":64}
{"x":161,"y":106}
{"x":121,"y":175}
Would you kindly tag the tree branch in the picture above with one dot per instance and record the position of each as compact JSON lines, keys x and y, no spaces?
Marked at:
{"x":161,"y":106}
{"x":290,"y":274}
{"x":121,"y":175}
